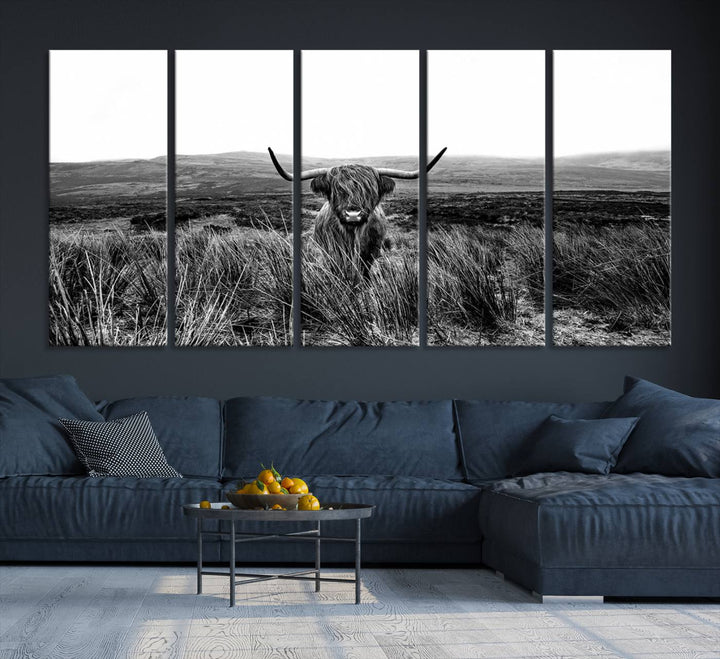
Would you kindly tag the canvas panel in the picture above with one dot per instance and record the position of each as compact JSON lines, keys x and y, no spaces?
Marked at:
{"x":611,"y":201}
{"x":359,"y":228}
{"x":486,"y":198}
{"x":108,"y":146}
{"x":233,"y":213}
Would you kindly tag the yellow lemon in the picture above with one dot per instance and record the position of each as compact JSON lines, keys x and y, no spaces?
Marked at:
{"x":205,"y":504}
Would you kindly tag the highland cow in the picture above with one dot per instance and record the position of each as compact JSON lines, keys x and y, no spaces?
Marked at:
{"x":351,"y":226}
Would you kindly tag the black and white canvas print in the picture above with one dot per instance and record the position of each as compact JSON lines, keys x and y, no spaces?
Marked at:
{"x":360,"y":139}
{"x":108,"y":146}
{"x":485,"y":198}
{"x":611,"y":217}
{"x":233,"y":212}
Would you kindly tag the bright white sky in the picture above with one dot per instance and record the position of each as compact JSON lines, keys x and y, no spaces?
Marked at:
{"x":107,"y":104}
{"x":611,"y":100}
{"x":234,"y":100}
{"x":487,"y":102}
{"x":359,"y":103}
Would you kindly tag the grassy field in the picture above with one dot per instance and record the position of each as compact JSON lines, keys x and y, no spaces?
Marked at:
{"x":612,"y":285}
{"x":611,"y":268}
{"x":485,"y":269}
{"x":234,"y":280}
{"x":107,"y":288}
{"x":486,"y":286}
{"x":383,"y":311}
{"x":234,"y":287}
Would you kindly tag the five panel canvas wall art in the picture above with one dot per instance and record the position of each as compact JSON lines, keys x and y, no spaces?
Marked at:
{"x":361,"y":241}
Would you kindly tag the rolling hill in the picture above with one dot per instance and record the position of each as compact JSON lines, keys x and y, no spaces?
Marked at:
{"x":232,"y":174}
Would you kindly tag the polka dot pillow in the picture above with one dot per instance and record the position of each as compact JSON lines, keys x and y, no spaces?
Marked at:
{"x":121,"y":447}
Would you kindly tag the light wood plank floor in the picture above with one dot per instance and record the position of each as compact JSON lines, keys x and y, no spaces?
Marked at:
{"x":84,"y":612}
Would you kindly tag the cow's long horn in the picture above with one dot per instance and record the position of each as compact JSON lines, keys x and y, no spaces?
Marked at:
{"x":308,"y":173}
{"x":403,"y":173}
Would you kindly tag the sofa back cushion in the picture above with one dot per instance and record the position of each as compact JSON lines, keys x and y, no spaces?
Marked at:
{"x":188,"y":428}
{"x":677,"y":435}
{"x":32,"y":440}
{"x":494,"y":434}
{"x":313,"y":437}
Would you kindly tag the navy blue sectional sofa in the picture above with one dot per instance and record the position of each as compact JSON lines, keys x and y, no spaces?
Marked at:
{"x":442,"y":475}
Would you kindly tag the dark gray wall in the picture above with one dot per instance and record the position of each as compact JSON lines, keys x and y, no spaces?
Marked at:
{"x":31,"y":27}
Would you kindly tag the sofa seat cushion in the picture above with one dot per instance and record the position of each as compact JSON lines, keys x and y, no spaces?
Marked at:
{"x":103,"y":508}
{"x":189,"y":429}
{"x":407,"y":508}
{"x":32,"y":441}
{"x":570,"y":520}
{"x":315,"y":437}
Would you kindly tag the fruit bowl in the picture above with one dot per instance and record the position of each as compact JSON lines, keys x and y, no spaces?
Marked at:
{"x":250,"y":501}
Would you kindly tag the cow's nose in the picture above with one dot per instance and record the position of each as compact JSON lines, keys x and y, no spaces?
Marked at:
{"x":353,"y":214}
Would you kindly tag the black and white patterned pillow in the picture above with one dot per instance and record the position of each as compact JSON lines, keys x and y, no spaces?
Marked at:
{"x":121,"y":447}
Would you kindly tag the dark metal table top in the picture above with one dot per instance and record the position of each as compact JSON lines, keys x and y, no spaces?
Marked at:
{"x":339,"y":511}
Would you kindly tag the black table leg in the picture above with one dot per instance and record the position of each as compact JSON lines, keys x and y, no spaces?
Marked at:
{"x":317,"y":560}
{"x":200,"y":558}
{"x":232,"y":562}
{"x":357,"y":561}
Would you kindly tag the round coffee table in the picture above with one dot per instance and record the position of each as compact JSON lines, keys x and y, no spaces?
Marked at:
{"x":329,"y":513}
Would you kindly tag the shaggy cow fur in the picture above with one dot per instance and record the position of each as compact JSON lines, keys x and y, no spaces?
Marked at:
{"x":351,"y":226}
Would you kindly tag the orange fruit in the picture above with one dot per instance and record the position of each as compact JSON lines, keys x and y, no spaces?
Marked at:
{"x":266,"y":476}
{"x":299,"y":487}
{"x":225,"y":507}
{"x":287,"y":483}
{"x":205,"y":504}
{"x":308,"y":502}
{"x":256,"y":487}
{"x":274,"y":487}
{"x":277,"y":506}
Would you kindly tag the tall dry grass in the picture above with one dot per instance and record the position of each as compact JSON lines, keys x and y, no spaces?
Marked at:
{"x":478,"y":277}
{"x":621,"y":273}
{"x":107,"y":289}
{"x":341,"y":308}
{"x":234,"y":288}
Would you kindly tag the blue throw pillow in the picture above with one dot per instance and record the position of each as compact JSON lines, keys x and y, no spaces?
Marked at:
{"x":32,"y":441}
{"x":677,"y":435}
{"x":589,"y":446}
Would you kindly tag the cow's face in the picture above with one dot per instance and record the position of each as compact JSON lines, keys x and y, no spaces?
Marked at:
{"x":353,"y":191}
